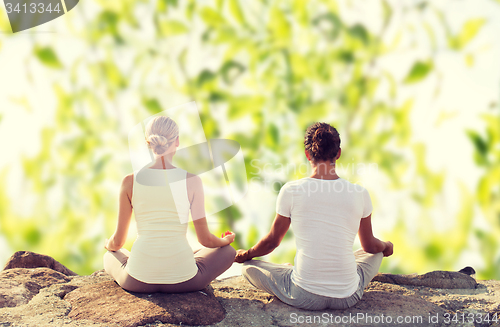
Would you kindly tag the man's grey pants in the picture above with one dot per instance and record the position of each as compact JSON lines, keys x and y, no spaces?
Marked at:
{"x":276,"y":279}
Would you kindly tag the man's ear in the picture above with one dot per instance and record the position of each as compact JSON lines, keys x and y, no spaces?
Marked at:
{"x":307,"y":155}
{"x":338,"y":154}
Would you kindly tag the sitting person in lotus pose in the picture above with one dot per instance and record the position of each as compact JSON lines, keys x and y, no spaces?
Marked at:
{"x":326,"y":213}
{"x":161,"y":259}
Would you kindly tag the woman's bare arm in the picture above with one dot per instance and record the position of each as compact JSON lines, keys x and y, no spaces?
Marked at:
{"x":197,"y":200}
{"x":117,"y":240}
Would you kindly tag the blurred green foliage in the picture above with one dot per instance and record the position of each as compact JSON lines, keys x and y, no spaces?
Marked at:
{"x":272,"y":66}
{"x":487,"y":156}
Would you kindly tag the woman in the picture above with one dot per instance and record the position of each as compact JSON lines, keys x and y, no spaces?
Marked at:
{"x":161,"y":259}
{"x":326,"y":212}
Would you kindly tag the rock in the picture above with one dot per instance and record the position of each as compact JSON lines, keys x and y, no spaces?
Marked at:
{"x":26,"y":259}
{"x":247,"y":306}
{"x":381,"y":305}
{"x":434,"y":279}
{"x":44,"y":309}
{"x":47,"y":308}
{"x":376,"y":308}
{"x":44,"y":297}
{"x":107,"y":302}
{"x":19,"y":285}
{"x":244,"y":303}
{"x":468,"y":271}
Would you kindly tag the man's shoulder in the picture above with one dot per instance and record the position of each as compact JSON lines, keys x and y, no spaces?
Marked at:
{"x":355,"y":187}
{"x":296,"y":186}
{"x":295,"y":183}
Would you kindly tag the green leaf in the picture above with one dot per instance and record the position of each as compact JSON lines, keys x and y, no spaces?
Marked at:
{"x":48,"y":57}
{"x":152,"y":105}
{"x":106,"y":24}
{"x":469,"y":31}
{"x":235,"y":10}
{"x":217,"y":96}
{"x":212,"y":17}
{"x":272,"y":136}
{"x":231,"y":70}
{"x":113,"y":74}
{"x":32,"y":235}
{"x":244,"y":105}
{"x":163,"y":5}
{"x":329,"y":24}
{"x":345,"y":55}
{"x":433,"y":250}
{"x":481,"y":147}
{"x":484,"y":192}
{"x":172,"y":27}
{"x":359,"y":31}
{"x":419,"y":71}
{"x":205,"y":76}
{"x":300,"y":12}
{"x":278,"y":24}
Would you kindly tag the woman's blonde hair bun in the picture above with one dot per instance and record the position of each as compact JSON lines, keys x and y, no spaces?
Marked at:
{"x":160,"y":133}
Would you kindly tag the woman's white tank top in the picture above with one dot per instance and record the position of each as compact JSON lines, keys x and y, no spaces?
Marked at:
{"x":161,"y":253}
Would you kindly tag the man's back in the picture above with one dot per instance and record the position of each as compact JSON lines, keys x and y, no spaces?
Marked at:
{"x":325,"y":217}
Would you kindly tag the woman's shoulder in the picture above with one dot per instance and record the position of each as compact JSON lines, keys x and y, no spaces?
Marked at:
{"x":128,"y":180}
{"x":128,"y":184}
{"x":193,"y":180}
{"x":192,"y":176}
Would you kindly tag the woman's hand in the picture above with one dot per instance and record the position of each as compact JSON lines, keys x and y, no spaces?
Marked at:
{"x":241,"y":256}
{"x":389,"y":249}
{"x":229,"y":236}
{"x":106,"y":244}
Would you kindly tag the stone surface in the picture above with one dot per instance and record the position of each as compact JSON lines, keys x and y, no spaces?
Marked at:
{"x":44,"y":297}
{"x":26,"y":259}
{"x":435,"y":279}
{"x":19,"y":285}
{"x":419,"y":305}
{"x":107,"y":302}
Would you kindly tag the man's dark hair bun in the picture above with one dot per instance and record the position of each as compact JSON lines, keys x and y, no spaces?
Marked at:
{"x":322,"y":141}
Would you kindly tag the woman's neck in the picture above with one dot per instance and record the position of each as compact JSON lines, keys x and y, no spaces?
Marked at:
{"x":163,"y":162}
{"x":324,"y":170}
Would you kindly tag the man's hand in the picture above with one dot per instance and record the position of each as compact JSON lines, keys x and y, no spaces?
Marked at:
{"x":389,"y":249}
{"x":241,"y":256}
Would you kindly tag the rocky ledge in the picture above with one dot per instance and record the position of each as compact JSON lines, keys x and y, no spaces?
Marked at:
{"x":36,"y":290}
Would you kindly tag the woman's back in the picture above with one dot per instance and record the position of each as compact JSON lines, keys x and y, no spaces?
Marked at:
{"x":325,"y":217}
{"x":161,"y":259}
{"x":161,"y":252}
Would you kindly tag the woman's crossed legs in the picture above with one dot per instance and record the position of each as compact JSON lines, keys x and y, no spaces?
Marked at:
{"x":211,"y":263}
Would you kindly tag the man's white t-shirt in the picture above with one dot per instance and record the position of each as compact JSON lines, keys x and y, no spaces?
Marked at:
{"x":325,"y":217}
